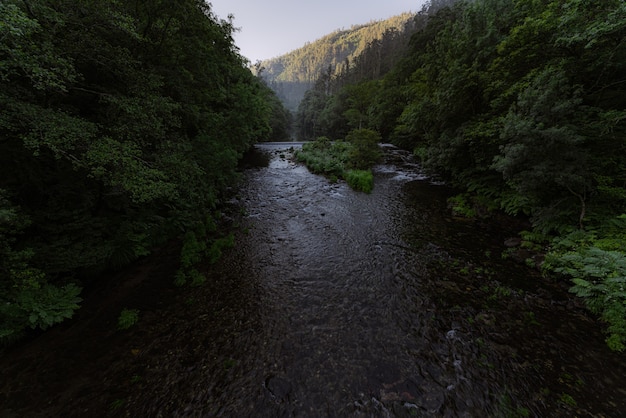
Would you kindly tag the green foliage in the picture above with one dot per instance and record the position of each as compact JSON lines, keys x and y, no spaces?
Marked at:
{"x":201,"y":245}
{"x":281,"y":119}
{"x":191,"y":276}
{"x":309,"y":114}
{"x":350,"y":160}
{"x":127,"y":318}
{"x":365,"y":151}
{"x":322,"y":143}
{"x":513,"y":203}
{"x":543,"y":156}
{"x":420,"y":152}
{"x":121,"y":126}
{"x":599,"y":277}
{"x":596,"y":262}
{"x":196,"y":278}
{"x":192,"y":251}
{"x":24,"y":52}
{"x":214,"y":252}
{"x":48,"y":304}
{"x":567,"y":400}
{"x":495,"y":99}
{"x":180,"y":278}
{"x":461,"y":206}
{"x":325,"y":157}
{"x":612,"y":235}
{"x":37,"y":304}
{"x":360,"y":180}
{"x":117,"y":405}
{"x":507,"y":409}
{"x":533,"y":240}
{"x":27,"y":300}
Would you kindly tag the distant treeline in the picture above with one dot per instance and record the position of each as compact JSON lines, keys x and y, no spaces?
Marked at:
{"x":521,"y":105}
{"x":292,"y":74}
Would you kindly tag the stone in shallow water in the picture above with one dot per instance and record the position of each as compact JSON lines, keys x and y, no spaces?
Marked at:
{"x":512,"y":242}
{"x":278,"y":388}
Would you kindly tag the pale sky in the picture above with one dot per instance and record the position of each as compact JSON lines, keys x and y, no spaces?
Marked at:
{"x":272,"y":28}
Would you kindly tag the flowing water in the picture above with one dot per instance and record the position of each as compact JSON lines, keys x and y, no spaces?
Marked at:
{"x":336,"y":303}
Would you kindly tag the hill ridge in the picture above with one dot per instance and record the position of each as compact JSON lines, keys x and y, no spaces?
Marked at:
{"x":291,"y":74}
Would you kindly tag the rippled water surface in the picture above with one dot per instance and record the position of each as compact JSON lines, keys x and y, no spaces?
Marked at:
{"x":336,"y":303}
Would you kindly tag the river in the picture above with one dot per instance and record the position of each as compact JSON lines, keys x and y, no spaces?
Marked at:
{"x":333,"y":303}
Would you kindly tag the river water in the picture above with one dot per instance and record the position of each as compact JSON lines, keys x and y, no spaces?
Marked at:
{"x":336,"y":303}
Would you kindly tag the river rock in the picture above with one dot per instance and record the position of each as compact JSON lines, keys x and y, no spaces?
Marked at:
{"x":512,"y":242}
{"x":278,"y":388}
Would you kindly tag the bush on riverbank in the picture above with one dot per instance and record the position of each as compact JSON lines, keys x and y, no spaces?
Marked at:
{"x":325,"y":157}
{"x":350,"y":160}
{"x":597,"y":267}
{"x":364,"y":151}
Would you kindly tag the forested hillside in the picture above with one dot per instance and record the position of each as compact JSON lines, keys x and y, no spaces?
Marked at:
{"x":121,"y":125}
{"x":290,"y":75}
{"x":521,"y":106}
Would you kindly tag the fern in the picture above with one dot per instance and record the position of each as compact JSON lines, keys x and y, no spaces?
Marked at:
{"x":197,"y":278}
{"x":180,"y":279}
{"x":192,"y":250}
{"x":44,"y":305}
{"x":199,"y":247}
{"x":599,"y":277}
{"x":214,"y":251}
{"x":127,"y":318}
{"x":461,"y":205}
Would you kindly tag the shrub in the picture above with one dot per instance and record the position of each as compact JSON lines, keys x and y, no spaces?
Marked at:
{"x":461,"y":206}
{"x":324,"y":157}
{"x":421,"y":152}
{"x":192,"y":250}
{"x":214,"y":252}
{"x":197,"y":278}
{"x":199,"y":246}
{"x":322,"y":143}
{"x":350,"y":159}
{"x":365,"y":151}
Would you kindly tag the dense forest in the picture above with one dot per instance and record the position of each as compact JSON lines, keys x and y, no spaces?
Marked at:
{"x":292,"y":74}
{"x":520,"y":106}
{"x":121,"y":126}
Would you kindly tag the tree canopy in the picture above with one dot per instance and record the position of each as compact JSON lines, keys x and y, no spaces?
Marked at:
{"x":121,"y":126}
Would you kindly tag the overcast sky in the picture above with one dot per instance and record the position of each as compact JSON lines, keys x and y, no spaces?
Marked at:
{"x":270,"y":28}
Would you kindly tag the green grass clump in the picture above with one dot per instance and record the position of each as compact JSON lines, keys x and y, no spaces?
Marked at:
{"x":323,"y":157}
{"x":350,"y":160}
{"x":360,"y":180}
